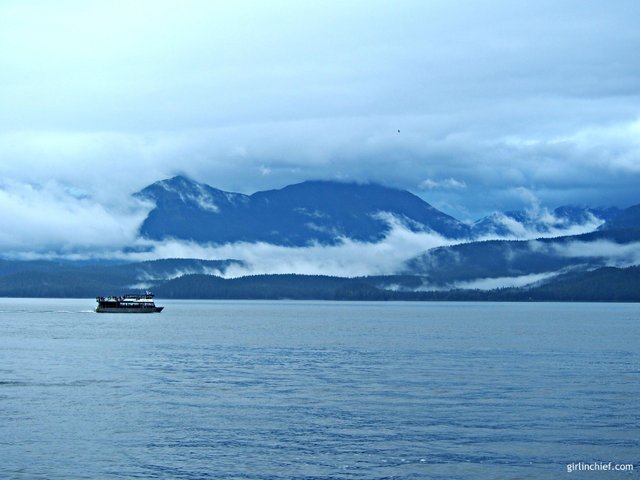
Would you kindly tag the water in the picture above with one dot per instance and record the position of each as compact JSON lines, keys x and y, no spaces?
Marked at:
{"x":318,"y":390}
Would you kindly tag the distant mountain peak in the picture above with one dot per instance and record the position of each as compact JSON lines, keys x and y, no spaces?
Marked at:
{"x":181,"y":190}
{"x":565,"y":220}
{"x":315,"y":211}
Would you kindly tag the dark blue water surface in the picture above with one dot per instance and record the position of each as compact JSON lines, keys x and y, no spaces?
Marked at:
{"x":318,"y":390}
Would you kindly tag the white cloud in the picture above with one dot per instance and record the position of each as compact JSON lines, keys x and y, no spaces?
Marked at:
{"x":541,"y":224}
{"x":446,"y":184}
{"x":110,"y":96}
{"x":616,"y":146}
{"x":349,"y":258}
{"x":505,"y":282}
{"x":613,"y":254}
{"x":50,"y":217}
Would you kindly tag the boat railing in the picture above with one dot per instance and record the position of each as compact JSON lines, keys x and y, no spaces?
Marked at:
{"x":122,"y":298}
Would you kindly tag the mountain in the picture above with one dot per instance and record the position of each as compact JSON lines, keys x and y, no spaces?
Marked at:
{"x":628,"y":218}
{"x":606,"y":284}
{"x":313,"y":212}
{"x":592,"y":265}
{"x":460,"y":265}
{"x":563,"y":220}
{"x":85,"y":279}
{"x":504,"y":262}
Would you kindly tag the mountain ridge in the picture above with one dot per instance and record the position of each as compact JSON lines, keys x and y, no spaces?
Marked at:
{"x":312,"y":212}
{"x":563,"y":220}
{"x":326,"y":212}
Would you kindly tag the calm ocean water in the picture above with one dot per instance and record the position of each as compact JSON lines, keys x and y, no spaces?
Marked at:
{"x":318,"y":390}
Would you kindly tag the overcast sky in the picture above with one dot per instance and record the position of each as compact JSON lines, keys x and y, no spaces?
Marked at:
{"x":474,"y":106}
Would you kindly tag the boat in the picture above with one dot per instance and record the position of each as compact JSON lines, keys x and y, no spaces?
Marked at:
{"x":133,"y":303}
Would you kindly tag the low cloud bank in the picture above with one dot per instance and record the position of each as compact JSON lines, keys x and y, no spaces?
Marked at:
{"x":609,"y":254}
{"x":96,"y":233}
{"x":505,"y":282}
{"x":348,"y":259}
{"x":53,"y":217}
{"x":538,"y":222}
{"x":613,"y":254}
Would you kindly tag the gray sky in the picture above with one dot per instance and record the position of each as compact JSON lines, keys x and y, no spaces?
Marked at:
{"x":500,"y":104}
